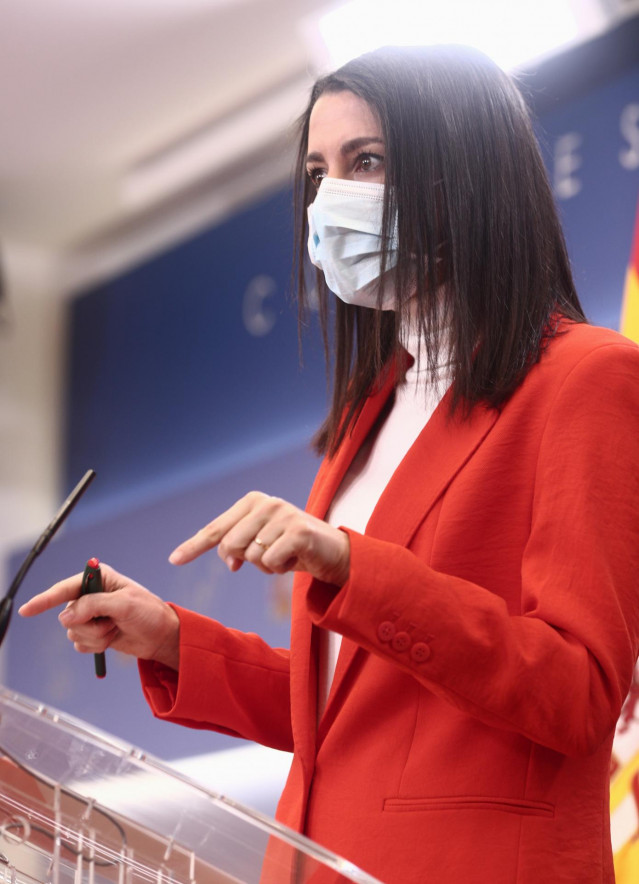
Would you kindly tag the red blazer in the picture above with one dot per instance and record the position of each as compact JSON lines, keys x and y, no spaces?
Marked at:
{"x":491,"y":624}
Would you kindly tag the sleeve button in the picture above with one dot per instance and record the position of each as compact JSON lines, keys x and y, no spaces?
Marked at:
{"x":420,"y":652}
{"x":401,"y":641}
{"x":385,"y":631}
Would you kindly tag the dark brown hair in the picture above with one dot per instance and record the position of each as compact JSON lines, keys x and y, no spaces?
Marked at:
{"x":466,"y":182}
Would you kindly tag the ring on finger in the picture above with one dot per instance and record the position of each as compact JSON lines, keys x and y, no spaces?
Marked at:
{"x":261,"y":543}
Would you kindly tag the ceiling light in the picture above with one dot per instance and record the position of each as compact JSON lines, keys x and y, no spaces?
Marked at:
{"x":510,"y":32}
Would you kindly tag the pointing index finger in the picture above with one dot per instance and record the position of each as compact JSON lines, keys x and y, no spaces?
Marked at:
{"x":210,"y":535}
{"x":64,"y":591}
{"x":205,"y":539}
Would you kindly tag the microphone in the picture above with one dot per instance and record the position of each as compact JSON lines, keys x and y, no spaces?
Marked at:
{"x":6,"y":605}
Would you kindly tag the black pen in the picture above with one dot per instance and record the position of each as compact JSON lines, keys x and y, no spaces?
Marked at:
{"x":92,"y":582}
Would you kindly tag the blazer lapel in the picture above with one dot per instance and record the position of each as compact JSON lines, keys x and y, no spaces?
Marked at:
{"x":443,"y":447}
{"x":333,"y":470}
{"x":304,"y":660}
{"x":304,"y":636}
{"x":440,"y":451}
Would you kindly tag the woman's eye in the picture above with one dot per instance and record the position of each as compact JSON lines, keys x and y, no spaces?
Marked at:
{"x":369,"y":162}
{"x":316,"y":176}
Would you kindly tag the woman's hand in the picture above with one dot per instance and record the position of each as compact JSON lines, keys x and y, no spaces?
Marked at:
{"x":273,"y":535}
{"x":132,"y":619}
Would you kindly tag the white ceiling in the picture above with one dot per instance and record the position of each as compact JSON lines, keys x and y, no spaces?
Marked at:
{"x":109,"y":106}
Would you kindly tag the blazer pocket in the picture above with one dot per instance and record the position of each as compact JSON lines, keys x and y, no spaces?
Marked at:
{"x":520,"y":806}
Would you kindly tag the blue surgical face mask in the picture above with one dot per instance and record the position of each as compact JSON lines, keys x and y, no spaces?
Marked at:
{"x":345,"y":242}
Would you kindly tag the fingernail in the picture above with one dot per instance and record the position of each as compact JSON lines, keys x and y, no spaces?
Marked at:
{"x":176,"y":557}
{"x":65,"y":617}
{"x":230,"y":562}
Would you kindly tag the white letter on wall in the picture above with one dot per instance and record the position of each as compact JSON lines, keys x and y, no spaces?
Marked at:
{"x":258,"y":321}
{"x":566,"y":163}
{"x":629,"y":126}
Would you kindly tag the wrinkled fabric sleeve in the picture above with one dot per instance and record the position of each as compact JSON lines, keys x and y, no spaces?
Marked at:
{"x":558,"y":671}
{"x":228,"y":681}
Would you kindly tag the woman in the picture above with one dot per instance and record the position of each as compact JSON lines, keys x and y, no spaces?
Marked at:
{"x":472,"y":535}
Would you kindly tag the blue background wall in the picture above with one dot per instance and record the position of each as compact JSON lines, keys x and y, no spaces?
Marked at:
{"x":192,"y":358}
{"x":185,"y":392}
{"x":591,"y":148}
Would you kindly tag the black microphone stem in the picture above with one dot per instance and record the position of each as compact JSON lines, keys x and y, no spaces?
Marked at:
{"x":7,"y":602}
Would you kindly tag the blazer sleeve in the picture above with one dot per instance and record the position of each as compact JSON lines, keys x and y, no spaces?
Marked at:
{"x":228,"y":681}
{"x":558,"y":671}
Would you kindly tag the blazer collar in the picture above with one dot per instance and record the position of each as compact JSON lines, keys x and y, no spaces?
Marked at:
{"x":333,"y":469}
{"x":442,"y":448}
{"x":440,"y":451}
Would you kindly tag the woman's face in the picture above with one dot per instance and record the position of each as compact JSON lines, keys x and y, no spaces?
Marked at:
{"x":344,"y":140}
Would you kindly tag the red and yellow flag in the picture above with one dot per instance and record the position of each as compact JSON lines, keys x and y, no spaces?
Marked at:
{"x":624,"y":783}
{"x":630,"y":307}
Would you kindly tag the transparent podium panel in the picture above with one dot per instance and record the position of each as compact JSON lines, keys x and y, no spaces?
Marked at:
{"x":76,"y":806}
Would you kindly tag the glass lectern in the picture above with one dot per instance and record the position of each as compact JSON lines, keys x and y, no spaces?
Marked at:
{"x":79,"y":807}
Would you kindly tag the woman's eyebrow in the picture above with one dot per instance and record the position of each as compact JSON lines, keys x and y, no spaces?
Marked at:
{"x":357,"y":143}
{"x":348,"y":147}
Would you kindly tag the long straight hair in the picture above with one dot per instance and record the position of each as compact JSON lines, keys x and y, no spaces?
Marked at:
{"x":476,"y":222}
